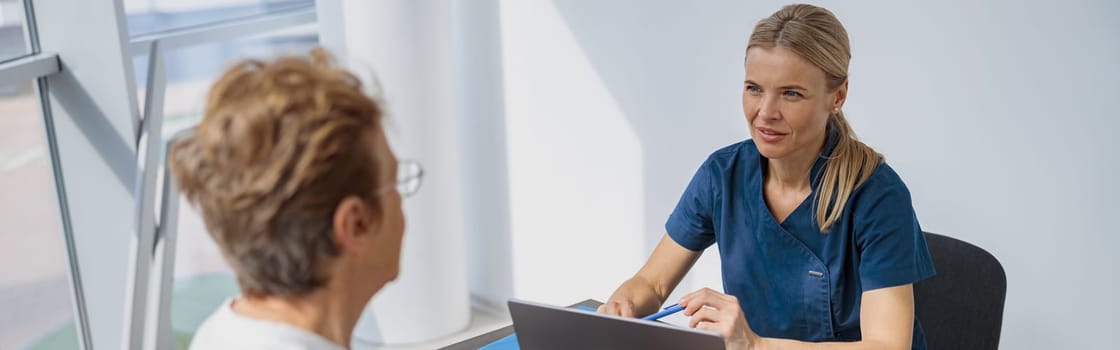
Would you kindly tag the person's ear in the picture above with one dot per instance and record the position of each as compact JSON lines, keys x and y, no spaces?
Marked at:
{"x":354,"y":223}
{"x":840,"y":96}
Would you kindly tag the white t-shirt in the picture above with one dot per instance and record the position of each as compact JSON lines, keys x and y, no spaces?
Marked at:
{"x":227,"y":330}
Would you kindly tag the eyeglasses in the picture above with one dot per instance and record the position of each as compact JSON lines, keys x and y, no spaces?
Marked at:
{"x":409,"y":176}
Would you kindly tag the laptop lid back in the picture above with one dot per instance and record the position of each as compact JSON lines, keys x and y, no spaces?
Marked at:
{"x":545,"y":327}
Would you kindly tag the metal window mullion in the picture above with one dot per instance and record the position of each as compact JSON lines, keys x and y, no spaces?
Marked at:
{"x":29,"y":68}
{"x":30,"y":34}
{"x":81,"y":319}
{"x":142,"y":246}
{"x":158,"y":334}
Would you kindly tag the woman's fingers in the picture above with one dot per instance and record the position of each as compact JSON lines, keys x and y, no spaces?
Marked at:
{"x":714,"y":311}
{"x":605,"y":309}
{"x":708,"y":315}
{"x":725,"y":330}
{"x":710,"y":327}
{"x":617,"y":308}
{"x":626,"y":309}
{"x":694,"y":301}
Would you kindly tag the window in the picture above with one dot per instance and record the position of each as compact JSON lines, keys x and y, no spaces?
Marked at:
{"x":34,"y":288}
{"x":37,"y":299}
{"x":189,"y":71}
{"x":151,"y":16}
{"x":13,"y":31}
{"x":35,"y":291}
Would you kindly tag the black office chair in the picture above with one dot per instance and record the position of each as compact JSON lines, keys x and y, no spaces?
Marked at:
{"x":962,"y":306}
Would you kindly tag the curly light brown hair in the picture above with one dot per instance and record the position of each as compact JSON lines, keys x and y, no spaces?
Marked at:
{"x":280,"y":144}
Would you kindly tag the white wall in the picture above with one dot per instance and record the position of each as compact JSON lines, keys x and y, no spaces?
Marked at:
{"x":575,"y":164}
{"x":998,"y":115}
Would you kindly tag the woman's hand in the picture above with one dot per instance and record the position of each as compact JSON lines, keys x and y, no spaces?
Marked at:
{"x":721,"y":313}
{"x":618,"y":307}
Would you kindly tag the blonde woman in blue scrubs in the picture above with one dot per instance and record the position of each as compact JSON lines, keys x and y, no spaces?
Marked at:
{"x":818,"y":239}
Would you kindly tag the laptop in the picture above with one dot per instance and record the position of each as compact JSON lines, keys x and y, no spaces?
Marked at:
{"x":545,"y":327}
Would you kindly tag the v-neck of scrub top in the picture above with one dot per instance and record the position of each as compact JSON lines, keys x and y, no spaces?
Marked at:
{"x":794,"y":254}
{"x":804,"y":231}
{"x":764,"y":165}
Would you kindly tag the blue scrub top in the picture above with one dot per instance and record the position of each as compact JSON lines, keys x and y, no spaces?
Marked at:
{"x":791,"y":280}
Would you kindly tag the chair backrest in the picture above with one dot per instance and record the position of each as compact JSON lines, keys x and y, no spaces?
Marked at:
{"x":962,"y":306}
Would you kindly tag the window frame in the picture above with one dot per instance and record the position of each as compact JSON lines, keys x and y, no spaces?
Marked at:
{"x":118,"y":253}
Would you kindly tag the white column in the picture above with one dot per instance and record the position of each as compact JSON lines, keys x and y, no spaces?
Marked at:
{"x":406,"y":44}
{"x":480,"y":105}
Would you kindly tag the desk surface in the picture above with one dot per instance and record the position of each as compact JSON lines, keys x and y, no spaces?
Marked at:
{"x":483,"y":340}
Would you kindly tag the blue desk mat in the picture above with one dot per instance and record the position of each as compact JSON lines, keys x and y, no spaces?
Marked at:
{"x":510,"y":341}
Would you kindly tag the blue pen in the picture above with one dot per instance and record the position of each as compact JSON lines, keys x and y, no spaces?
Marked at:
{"x":669,"y":310}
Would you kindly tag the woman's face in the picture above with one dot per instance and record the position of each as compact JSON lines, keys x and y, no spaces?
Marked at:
{"x":372,"y":239}
{"x":388,"y":247}
{"x":787,"y":103}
